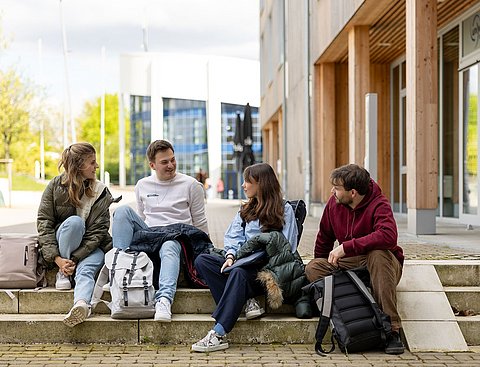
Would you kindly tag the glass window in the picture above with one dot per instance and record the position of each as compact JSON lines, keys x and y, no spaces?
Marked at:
{"x":185,"y":126}
{"x":450,"y":127}
{"x":470,"y":140}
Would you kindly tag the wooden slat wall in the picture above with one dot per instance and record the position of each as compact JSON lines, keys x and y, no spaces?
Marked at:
{"x":387,"y":34}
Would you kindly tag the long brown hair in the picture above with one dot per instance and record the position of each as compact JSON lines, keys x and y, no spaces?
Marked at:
{"x":267,"y":206}
{"x":73,"y":159}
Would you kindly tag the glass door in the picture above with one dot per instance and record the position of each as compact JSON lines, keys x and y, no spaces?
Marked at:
{"x":469,"y":213}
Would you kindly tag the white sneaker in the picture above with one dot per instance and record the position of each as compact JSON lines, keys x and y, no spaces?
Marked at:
{"x":210,"y":343}
{"x":78,"y":314}
{"x":62,"y":282}
{"x":163,"y":310}
{"x":253,"y":309}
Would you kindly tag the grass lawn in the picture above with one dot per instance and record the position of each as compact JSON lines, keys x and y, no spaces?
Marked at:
{"x":25,"y":183}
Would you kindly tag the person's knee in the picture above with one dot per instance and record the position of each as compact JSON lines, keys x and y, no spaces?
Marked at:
{"x":75,"y":223}
{"x":122,"y":212}
{"x":379,"y":259}
{"x":314,"y":269}
{"x":170,"y":248}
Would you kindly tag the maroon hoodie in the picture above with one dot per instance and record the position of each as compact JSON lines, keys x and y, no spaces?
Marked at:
{"x":370,"y":226}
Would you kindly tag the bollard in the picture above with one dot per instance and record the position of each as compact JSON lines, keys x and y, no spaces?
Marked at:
{"x":230,"y":194}
{"x":107,"y":179}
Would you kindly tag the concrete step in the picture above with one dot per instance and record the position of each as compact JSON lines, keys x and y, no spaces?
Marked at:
{"x":184,"y":329}
{"x":470,"y":327}
{"x":51,"y":301}
{"x":457,"y":273}
{"x":464,"y":298}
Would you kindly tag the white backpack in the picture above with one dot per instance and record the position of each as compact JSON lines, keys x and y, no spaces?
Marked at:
{"x":129,"y":275}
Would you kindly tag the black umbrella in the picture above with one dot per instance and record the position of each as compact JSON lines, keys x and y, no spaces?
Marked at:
{"x":247,"y":155}
{"x":247,"y":126}
{"x":238,"y":136}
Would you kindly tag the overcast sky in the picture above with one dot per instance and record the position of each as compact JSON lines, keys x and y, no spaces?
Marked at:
{"x":216,"y":27}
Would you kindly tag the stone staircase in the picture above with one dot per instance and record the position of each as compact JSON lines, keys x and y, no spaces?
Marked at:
{"x":461,"y":284}
{"x":35,"y":316}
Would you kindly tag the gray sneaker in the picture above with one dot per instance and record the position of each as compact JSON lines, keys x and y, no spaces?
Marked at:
{"x":253,"y":309}
{"x":210,"y":343}
{"x":62,"y":282}
{"x":78,"y":314}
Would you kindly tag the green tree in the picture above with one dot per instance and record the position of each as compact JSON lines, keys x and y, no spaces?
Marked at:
{"x":15,"y":104}
{"x":89,"y":130}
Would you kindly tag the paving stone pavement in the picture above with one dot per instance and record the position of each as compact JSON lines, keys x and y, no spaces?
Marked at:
{"x":452,"y":241}
{"x":237,"y":355}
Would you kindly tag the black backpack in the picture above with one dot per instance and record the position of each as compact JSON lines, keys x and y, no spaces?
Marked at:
{"x":345,"y":303}
{"x":300,"y":210}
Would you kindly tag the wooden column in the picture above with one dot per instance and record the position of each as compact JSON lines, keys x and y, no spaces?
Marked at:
{"x":422,"y":116}
{"x":323,"y":144}
{"x":358,"y":86}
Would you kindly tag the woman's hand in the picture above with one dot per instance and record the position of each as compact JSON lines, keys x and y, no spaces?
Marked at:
{"x":228,"y":262}
{"x":66,"y":266}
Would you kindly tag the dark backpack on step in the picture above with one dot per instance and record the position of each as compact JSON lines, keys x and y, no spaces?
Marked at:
{"x":300,"y":210}
{"x":345,"y":303}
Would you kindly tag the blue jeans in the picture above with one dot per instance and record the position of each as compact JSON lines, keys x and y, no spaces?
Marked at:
{"x":69,"y":236}
{"x":125,"y":223}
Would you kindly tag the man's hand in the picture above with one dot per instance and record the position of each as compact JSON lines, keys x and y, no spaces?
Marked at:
{"x":66,"y":266}
{"x":228,"y":262}
{"x":335,"y":254}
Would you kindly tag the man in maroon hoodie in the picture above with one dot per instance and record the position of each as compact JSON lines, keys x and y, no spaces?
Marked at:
{"x":360,"y":218}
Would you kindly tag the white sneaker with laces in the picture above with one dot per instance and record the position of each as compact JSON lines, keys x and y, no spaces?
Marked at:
{"x":210,"y":343}
{"x":163,"y":310}
{"x":78,"y":314}
{"x":253,"y":309}
{"x":62,"y":282}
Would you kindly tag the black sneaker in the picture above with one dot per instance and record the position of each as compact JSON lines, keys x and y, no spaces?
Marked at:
{"x":394,"y":344}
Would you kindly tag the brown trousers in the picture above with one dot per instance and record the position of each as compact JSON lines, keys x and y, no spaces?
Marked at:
{"x":385,"y":273}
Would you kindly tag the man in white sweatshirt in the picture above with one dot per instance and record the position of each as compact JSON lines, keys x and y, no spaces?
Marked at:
{"x":166,"y":197}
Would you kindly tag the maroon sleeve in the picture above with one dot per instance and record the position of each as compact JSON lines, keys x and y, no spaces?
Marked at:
{"x":325,"y":236}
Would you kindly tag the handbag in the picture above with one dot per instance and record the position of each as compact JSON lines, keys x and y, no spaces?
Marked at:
{"x":18,"y":261}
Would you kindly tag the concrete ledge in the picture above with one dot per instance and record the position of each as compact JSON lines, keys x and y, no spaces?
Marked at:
{"x":184,"y":329}
{"x":50,"y":329}
{"x":9,"y":301}
{"x":428,"y":336}
{"x":464,"y":298}
{"x":268,"y":329}
{"x":470,"y":327}
{"x":51,"y":301}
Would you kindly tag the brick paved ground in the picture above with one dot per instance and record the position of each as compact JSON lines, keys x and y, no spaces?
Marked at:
{"x":237,"y":355}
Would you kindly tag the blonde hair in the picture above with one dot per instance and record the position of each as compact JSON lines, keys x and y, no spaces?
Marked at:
{"x":72,"y":161}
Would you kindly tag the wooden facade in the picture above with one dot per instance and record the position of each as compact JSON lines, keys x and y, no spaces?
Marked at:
{"x":353,"y":47}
